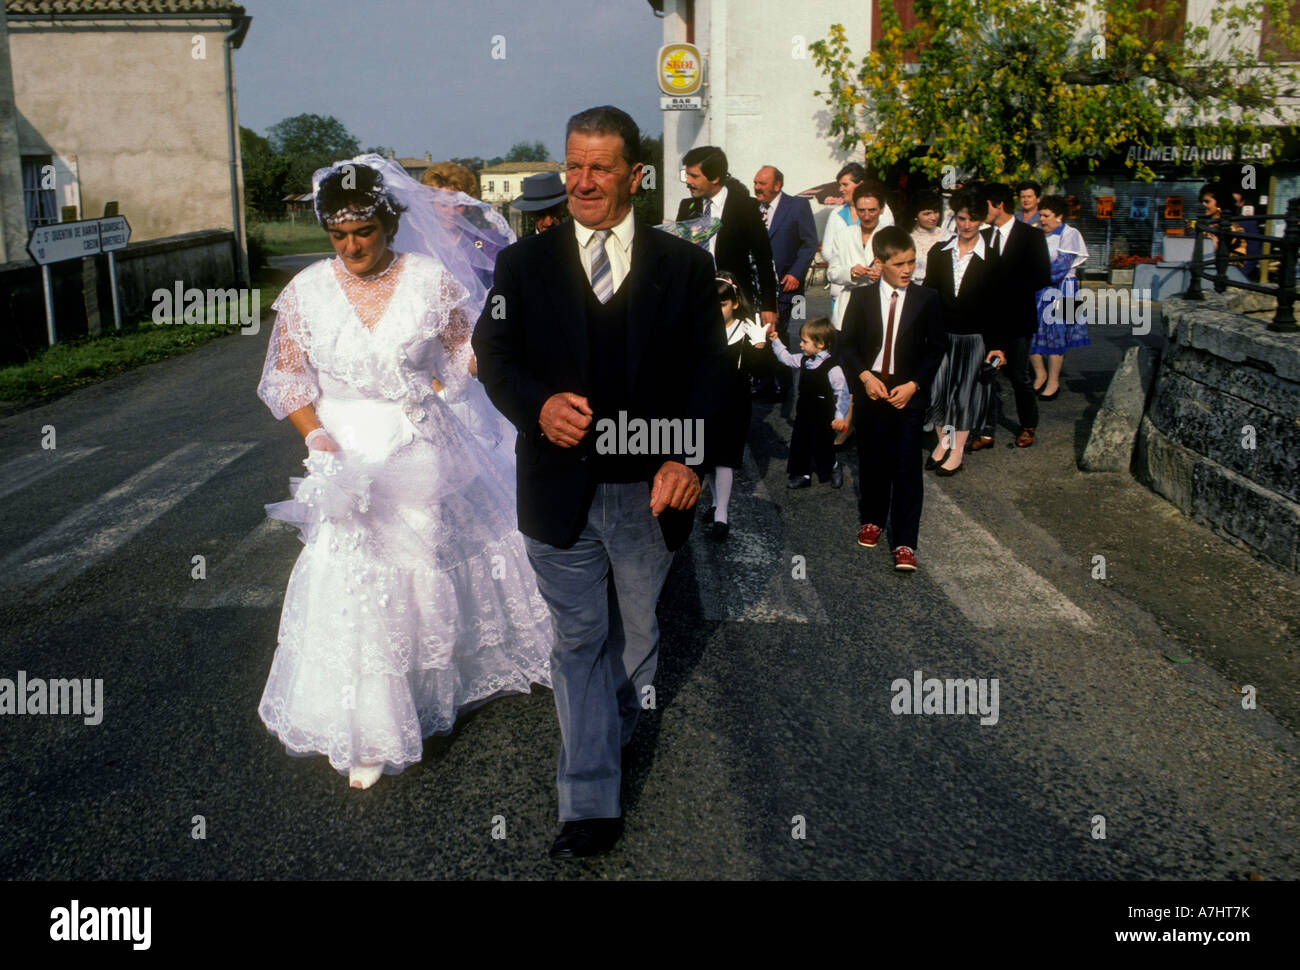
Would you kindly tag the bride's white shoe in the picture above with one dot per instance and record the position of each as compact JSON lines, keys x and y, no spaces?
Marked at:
{"x":363,"y":776}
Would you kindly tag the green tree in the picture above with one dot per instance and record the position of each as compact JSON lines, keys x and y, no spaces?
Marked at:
{"x":264,"y":175}
{"x":1018,"y":88}
{"x":528,"y":151}
{"x":649,"y":198}
{"x":309,"y":142}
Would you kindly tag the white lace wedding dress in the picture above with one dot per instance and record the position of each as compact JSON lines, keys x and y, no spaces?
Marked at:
{"x":413,"y":599}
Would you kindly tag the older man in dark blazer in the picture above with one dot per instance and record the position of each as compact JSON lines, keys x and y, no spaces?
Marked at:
{"x":591,"y":330}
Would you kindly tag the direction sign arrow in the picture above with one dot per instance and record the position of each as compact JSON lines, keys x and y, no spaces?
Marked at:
{"x":66,"y":240}
{"x":114,"y":233}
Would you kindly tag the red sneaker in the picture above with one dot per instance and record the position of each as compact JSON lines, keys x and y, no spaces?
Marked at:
{"x":869,"y":535}
{"x":904,"y":560}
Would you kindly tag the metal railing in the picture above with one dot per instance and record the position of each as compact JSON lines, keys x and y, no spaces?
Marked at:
{"x":1286,"y":245}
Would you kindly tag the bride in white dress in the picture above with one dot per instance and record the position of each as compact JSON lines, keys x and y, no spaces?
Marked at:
{"x":413,"y":599}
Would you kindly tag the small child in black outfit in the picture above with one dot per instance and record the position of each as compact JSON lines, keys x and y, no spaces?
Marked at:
{"x":823,"y":404}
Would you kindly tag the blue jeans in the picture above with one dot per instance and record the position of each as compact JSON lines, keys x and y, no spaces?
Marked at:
{"x":602,"y":592}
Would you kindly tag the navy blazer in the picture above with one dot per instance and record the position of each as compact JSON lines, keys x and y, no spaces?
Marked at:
{"x":1019,"y":272}
{"x":919,"y":340}
{"x":976,"y":308}
{"x":794,"y":242}
{"x":531,"y":341}
{"x":743,"y":248}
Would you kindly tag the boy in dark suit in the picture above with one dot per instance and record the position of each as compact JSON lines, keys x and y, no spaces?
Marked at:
{"x":892,"y":344}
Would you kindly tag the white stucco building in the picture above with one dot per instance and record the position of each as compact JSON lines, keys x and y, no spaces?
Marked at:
{"x":759,"y":81}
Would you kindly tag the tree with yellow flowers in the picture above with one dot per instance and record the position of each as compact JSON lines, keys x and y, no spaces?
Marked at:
{"x":1027,"y":89}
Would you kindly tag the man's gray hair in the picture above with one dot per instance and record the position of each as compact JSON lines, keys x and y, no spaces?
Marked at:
{"x":608,"y":120}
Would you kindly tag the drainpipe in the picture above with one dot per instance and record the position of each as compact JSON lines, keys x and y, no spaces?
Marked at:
{"x":231,"y":41}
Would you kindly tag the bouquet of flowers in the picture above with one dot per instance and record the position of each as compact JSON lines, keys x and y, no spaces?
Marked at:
{"x":333,"y":491}
{"x":698,"y":230}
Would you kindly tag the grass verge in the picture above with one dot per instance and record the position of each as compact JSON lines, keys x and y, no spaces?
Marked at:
{"x":67,"y":366}
{"x":286,"y":238}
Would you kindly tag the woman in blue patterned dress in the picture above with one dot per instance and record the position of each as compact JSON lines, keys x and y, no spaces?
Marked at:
{"x":1061,"y":323}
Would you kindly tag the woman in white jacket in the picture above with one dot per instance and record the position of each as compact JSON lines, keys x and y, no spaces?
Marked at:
{"x":853,"y":263}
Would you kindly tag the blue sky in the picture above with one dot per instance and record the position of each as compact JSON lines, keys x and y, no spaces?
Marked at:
{"x":420,"y":76}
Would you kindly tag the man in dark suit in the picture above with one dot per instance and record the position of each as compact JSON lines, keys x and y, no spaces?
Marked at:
{"x":741,"y":246}
{"x":892,"y":345}
{"x":793,"y":234}
{"x":590,"y":332}
{"x":1020,"y":268}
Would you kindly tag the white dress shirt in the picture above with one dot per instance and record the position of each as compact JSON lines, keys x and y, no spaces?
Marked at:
{"x":618,"y":247}
{"x":886,"y":294}
{"x":771,"y":211}
{"x":1004,"y":231}
{"x":960,"y":263}
{"x":715,"y":212}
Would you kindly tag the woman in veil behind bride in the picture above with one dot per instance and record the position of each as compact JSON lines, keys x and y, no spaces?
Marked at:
{"x":413,"y":599}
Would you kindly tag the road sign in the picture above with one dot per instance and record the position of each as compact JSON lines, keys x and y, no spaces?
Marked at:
{"x":114,"y":233}
{"x":66,"y":240}
{"x":72,"y":240}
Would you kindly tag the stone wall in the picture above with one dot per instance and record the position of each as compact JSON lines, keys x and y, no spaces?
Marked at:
{"x":83,"y":302}
{"x":1220,"y":437}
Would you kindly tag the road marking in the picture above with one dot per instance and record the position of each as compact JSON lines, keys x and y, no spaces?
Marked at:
{"x":745,"y":579}
{"x":32,"y":467}
{"x":984,"y":580}
{"x":226,"y":583}
{"x":96,"y":530}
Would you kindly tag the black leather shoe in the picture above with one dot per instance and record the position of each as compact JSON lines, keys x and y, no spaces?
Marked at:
{"x":931,"y":463}
{"x":586,"y":837}
{"x":719,"y":531}
{"x":799,"y":481}
{"x":837,"y":476}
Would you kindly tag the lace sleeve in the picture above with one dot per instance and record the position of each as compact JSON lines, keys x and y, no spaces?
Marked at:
{"x":449,"y":320}
{"x":288,"y":377}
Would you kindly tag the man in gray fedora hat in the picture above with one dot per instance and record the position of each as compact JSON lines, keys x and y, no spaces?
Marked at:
{"x":544,"y":196}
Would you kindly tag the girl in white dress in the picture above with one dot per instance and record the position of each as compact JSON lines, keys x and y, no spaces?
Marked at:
{"x":413,"y":599}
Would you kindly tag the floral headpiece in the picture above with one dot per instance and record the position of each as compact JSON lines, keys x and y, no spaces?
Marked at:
{"x":376,"y":199}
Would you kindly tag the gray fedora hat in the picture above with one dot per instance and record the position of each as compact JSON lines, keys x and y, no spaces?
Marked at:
{"x":540,"y":192}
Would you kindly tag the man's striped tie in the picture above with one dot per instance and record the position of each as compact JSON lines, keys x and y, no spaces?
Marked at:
{"x":602,"y":277}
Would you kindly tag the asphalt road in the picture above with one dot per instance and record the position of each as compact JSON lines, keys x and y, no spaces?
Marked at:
{"x":1118,"y":697}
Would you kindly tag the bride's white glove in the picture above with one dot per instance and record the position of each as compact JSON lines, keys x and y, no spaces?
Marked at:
{"x":318,"y":439}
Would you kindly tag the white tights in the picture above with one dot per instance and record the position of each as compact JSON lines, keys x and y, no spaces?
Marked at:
{"x":720,"y":480}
